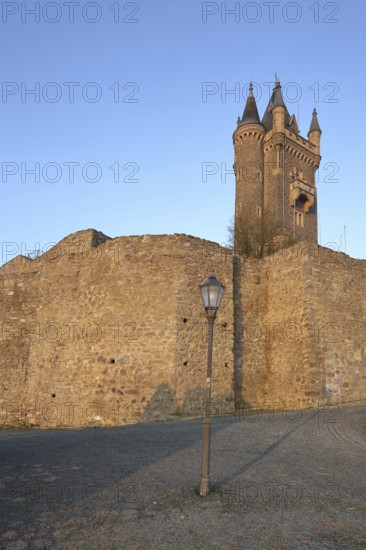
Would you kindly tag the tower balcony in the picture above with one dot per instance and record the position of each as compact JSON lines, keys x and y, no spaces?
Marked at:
{"x":302,"y":192}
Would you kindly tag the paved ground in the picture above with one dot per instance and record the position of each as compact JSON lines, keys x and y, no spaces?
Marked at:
{"x":280,"y":482}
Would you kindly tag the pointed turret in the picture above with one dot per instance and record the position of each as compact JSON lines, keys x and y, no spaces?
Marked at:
{"x":277,"y":95}
{"x":276,"y":105}
{"x":250,"y":115}
{"x":248,"y":141}
{"x":314,"y":122}
{"x":278,"y":109}
{"x":315,"y":132}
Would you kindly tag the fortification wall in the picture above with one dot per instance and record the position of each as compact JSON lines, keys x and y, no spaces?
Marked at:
{"x":102,"y":331}
{"x":300,"y":331}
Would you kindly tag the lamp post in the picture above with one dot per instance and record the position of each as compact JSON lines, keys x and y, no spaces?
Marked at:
{"x":212,"y":292}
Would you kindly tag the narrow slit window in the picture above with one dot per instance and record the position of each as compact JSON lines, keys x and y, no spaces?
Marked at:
{"x":299,"y":219}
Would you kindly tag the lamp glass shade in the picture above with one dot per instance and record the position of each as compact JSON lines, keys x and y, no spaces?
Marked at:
{"x":212,"y":291}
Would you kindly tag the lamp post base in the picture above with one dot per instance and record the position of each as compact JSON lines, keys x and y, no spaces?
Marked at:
{"x":205,"y":475}
{"x":205,"y":486}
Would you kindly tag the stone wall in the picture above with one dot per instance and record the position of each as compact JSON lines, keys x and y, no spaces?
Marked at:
{"x":300,"y":328}
{"x":102,"y":331}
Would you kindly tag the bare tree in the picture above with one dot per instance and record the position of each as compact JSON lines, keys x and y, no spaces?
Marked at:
{"x":257,"y":238}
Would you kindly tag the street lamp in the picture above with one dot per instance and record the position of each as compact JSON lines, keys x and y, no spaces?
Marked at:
{"x":212,"y":292}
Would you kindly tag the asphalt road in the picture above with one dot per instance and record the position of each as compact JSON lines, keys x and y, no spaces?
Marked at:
{"x":280,"y":481}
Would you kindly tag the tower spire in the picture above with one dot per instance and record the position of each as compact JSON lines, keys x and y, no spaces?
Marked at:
{"x":276,"y":100}
{"x":315,"y":132}
{"x":250,"y":115}
{"x":277,"y":95}
{"x":314,"y":122}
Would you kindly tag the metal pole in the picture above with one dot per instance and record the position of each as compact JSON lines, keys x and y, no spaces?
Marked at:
{"x":205,"y":477}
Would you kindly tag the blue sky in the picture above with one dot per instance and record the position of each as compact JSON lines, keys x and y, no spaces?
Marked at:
{"x":149,"y":93}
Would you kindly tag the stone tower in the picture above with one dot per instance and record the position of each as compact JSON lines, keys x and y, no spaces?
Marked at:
{"x":275,"y":167}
